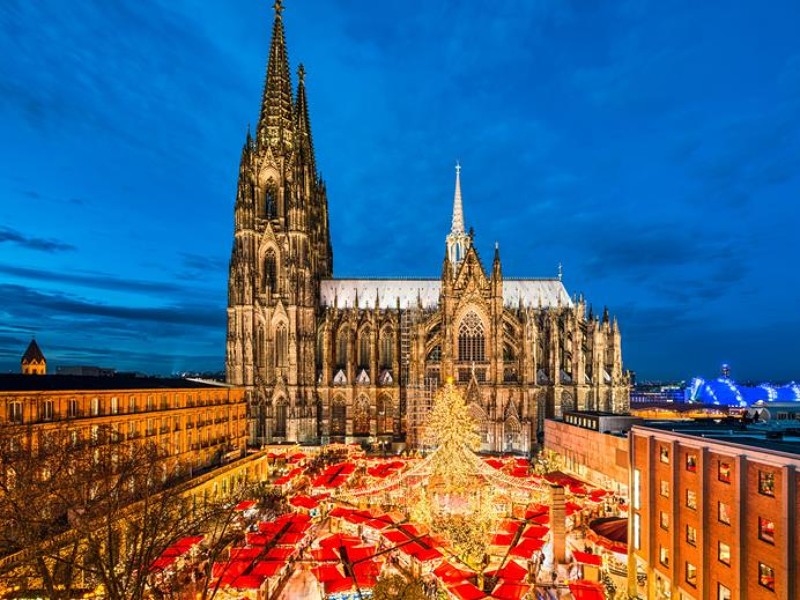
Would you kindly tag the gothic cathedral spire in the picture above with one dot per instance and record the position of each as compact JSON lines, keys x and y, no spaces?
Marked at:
{"x":275,"y":124}
{"x":457,"y":240}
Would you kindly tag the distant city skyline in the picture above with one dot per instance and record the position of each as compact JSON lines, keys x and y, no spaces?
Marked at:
{"x":654,"y":155}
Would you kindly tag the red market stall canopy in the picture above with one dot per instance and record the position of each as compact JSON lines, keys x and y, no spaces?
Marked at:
{"x":587,"y":558}
{"x":610,"y":533}
{"x":510,"y":591}
{"x":245,"y":505}
{"x":526,"y":547}
{"x":535,"y":531}
{"x":448,"y":573}
{"x":586,"y":590}
{"x":466,"y":591}
{"x":511,"y":571}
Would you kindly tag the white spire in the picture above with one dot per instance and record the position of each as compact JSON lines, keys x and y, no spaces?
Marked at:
{"x":458,"y":209}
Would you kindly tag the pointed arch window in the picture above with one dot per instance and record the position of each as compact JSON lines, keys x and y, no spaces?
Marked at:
{"x":471,"y":339}
{"x":387,"y":347}
{"x":270,"y":272}
{"x":435,"y":355}
{"x":320,"y":347}
{"x":280,"y":419}
{"x":281,"y":346}
{"x":385,"y":414}
{"x":364,"y":354}
{"x":361,"y":416}
{"x":341,"y":349}
{"x":338,"y":417}
{"x":271,"y":200}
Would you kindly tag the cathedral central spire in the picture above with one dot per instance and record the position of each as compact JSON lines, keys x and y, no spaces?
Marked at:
{"x":457,"y":240}
{"x":458,"y":209}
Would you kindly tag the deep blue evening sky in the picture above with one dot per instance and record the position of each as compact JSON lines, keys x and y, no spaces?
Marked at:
{"x":652,"y":147}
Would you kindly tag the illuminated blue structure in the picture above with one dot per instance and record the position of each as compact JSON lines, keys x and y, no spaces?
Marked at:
{"x":724,"y":391}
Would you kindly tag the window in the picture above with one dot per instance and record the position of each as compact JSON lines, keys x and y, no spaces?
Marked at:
{"x":724,"y":472}
{"x":471,"y":340}
{"x":724,"y":553}
{"x":691,"y":574}
{"x":149,"y":403}
{"x":132,"y":404}
{"x":46,"y":409}
{"x":766,"y":576}
{"x":663,"y":453}
{"x":663,"y":555}
{"x":387,"y":343}
{"x":766,"y":483}
{"x":364,"y":354}
{"x":341,"y":349}
{"x":72,"y":408}
{"x":637,"y":531}
{"x":15,"y":412}
{"x":723,"y":513}
{"x":691,"y":499}
{"x":270,"y":271}
{"x":723,"y":593}
{"x":282,"y":346}
{"x":114,"y":405}
{"x":665,"y":488}
{"x":691,"y":535}
{"x":663,"y":519}
{"x":637,"y":489}
{"x":280,"y":419}
{"x":766,"y":530}
{"x":691,"y":462}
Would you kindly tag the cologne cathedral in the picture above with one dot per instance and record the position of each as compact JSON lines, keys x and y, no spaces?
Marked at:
{"x":358,"y":360}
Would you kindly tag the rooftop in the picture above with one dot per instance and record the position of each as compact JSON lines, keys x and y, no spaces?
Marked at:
{"x":54,"y":383}
{"x":733,"y":431}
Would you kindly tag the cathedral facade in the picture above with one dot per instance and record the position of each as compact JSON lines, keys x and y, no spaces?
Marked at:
{"x":358,"y":360}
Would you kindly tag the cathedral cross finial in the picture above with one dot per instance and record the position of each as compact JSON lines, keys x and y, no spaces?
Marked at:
{"x":278,"y":6}
{"x":560,"y":271}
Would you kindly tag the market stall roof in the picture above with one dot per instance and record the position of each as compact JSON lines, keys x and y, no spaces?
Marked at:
{"x":449,"y":573}
{"x":466,"y":591}
{"x":535,"y":531}
{"x":512,"y":570}
{"x":343,"y":584}
{"x":506,"y":590}
{"x":586,"y":590}
{"x":247,"y":582}
{"x":327,"y":572}
{"x":267,"y":568}
{"x":587,"y":559}
{"x":611,"y":533}
{"x":526,"y":547}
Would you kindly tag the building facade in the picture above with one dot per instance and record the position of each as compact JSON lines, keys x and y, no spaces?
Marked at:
{"x":327,"y":359}
{"x":196,"y":423}
{"x":713,"y":512}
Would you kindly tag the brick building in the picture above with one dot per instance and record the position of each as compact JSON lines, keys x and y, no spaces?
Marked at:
{"x":713,"y":511}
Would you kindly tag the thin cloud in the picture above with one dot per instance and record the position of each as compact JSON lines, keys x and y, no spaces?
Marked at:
{"x":12,"y":236}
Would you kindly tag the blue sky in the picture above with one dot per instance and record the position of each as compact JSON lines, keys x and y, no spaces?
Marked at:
{"x":650,"y":147}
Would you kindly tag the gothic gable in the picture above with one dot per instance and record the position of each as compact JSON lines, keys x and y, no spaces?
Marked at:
{"x":470,"y":274}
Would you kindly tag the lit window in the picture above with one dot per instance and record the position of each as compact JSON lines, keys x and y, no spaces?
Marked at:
{"x":47,"y":410}
{"x":766,"y":483}
{"x":664,"y":454}
{"x":637,"y":489}
{"x":665,"y":488}
{"x":691,"y":499}
{"x":664,"y":520}
{"x":691,"y":535}
{"x":691,"y":462}
{"x":663,"y":555}
{"x":723,"y":513}
{"x":766,"y":576}
{"x":15,"y":412}
{"x":724,"y":553}
{"x":72,"y":408}
{"x":766,"y":530}
{"x":691,"y":574}
{"x":723,"y":593}
{"x":637,"y":531}
{"x":724,"y":472}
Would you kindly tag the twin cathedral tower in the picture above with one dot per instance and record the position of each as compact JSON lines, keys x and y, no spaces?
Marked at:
{"x":352,"y":360}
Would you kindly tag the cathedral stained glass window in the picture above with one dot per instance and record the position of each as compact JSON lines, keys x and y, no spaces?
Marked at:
{"x":471,"y":339}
